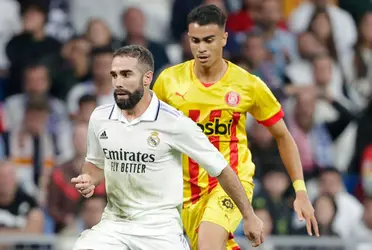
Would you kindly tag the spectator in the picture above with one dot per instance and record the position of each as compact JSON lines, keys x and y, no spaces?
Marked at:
{"x":30,"y":46}
{"x":349,"y":208}
{"x":363,"y":141}
{"x":63,"y":198}
{"x":246,"y":17}
{"x":343,"y":26}
{"x":325,"y":211}
{"x":78,"y":55}
{"x":99,"y":35}
{"x":313,"y":140}
{"x":265,"y":152}
{"x":360,"y":63}
{"x":10,"y":25}
{"x":134,"y":24}
{"x":273,"y":198}
{"x":20,"y":213}
{"x":362,"y":230}
{"x":260,"y":62}
{"x":90,"y":213}
{"x":37,"y":83}
{"x":180,"y":10}
{"x":300,"y":71}
{"x":70,"y":67}
{"x":280,"y":43}
{"x":100,"y":85}
{"x":32,"y":148}
{"x":320,"y":26}
{"x":87,"y":104}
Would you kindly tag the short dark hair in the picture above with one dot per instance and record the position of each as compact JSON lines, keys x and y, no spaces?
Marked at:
{"x":87,"y":98}
{"x":40,"y":6}
{"x":329,"y":169}
{"x":101,"y":50}
{"x":143,"y":55}
{"x":207,"y":14}
{"x":33,"y":66}
{"x":38,"y":103}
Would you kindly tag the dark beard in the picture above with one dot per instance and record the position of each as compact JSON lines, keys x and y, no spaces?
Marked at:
{"x":131,"y":101}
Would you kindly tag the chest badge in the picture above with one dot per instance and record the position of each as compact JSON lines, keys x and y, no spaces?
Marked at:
{"x":232,"y":98}
{"x":153,"y":140}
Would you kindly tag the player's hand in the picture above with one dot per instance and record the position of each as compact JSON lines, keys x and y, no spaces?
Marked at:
{"x":84,"y":185}
{"x":253,"y":229}
{"x":305,"y":211}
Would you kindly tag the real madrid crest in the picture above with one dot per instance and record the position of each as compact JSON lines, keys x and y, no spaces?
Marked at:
{"x":232,"y":98}
{"x":153,"y":139}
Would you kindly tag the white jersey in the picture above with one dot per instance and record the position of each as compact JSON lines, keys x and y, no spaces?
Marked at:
{"x":142,"y":163}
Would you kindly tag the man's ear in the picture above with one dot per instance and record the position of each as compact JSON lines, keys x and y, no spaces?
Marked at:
{"x":147,"y":78}
{"x":225,"y":36}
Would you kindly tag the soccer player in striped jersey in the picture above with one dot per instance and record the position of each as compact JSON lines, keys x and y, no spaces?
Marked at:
{"x":217,"y":94}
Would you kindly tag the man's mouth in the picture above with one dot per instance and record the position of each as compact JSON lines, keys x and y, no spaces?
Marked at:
{"x":121,"y":93}
{"x":203,"y":58}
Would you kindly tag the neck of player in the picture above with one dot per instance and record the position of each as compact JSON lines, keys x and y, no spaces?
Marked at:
{"x":140,"y":108}
{"x":211,"y":74}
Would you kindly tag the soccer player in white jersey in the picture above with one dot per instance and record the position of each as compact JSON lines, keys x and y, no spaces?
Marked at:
{"x":135,"y":145}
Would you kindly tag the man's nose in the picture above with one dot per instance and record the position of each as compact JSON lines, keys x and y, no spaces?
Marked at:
{"x":202,"y":48}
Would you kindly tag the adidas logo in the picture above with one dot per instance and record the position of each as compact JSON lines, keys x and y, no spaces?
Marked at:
{"x":103,"y":135}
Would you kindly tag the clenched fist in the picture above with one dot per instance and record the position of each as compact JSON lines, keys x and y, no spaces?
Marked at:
{"x":84,"y":185}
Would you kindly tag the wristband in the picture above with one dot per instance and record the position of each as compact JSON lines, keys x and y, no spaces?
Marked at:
{"x":299,"y":185}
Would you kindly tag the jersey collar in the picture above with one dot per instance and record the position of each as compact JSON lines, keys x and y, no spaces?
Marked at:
{"x":151,"y":114}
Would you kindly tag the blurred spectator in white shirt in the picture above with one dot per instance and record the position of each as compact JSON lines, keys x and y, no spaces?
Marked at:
{"x":279,"y":42}
{"x":37,"y":83}
{"x":349,"y":209}
{"x":343,"y":26}
{"x":34,"y":150}
{"x":10,"y":25}
{"x":362,"y":230}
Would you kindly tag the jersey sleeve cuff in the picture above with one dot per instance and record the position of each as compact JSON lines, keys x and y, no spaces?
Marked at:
{"x":274,"y":119}
{"x":218,"y":170}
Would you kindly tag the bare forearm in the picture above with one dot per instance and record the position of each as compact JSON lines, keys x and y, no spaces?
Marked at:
{"x":290,"y":156}
{"x":230,"y":182}
{"x":95,"y":173}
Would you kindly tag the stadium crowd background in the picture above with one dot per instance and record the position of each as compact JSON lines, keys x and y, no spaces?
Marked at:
{"x":315,"y":55}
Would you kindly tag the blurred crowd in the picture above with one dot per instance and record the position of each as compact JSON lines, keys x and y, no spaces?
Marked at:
{"x":315,"y":55}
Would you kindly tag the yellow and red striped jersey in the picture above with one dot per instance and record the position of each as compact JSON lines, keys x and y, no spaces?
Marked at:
{"x":220,"y":111}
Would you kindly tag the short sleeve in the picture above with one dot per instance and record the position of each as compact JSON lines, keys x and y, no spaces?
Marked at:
{"x":94,"y":151}
{"x":189,"y":139}
{"x":266,"y":109}
{"x":158,"y":86}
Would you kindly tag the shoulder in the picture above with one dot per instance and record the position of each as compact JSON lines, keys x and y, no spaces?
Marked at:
{"x":175,"y":70}
{"x":58,"y":103}
{"x":240,"y":75}
{"x":18,"y":39}
{"x":81,"y":88}
{"x":102,"y":112}
{"x":168,"y":112}
{"x":15,"y":99}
